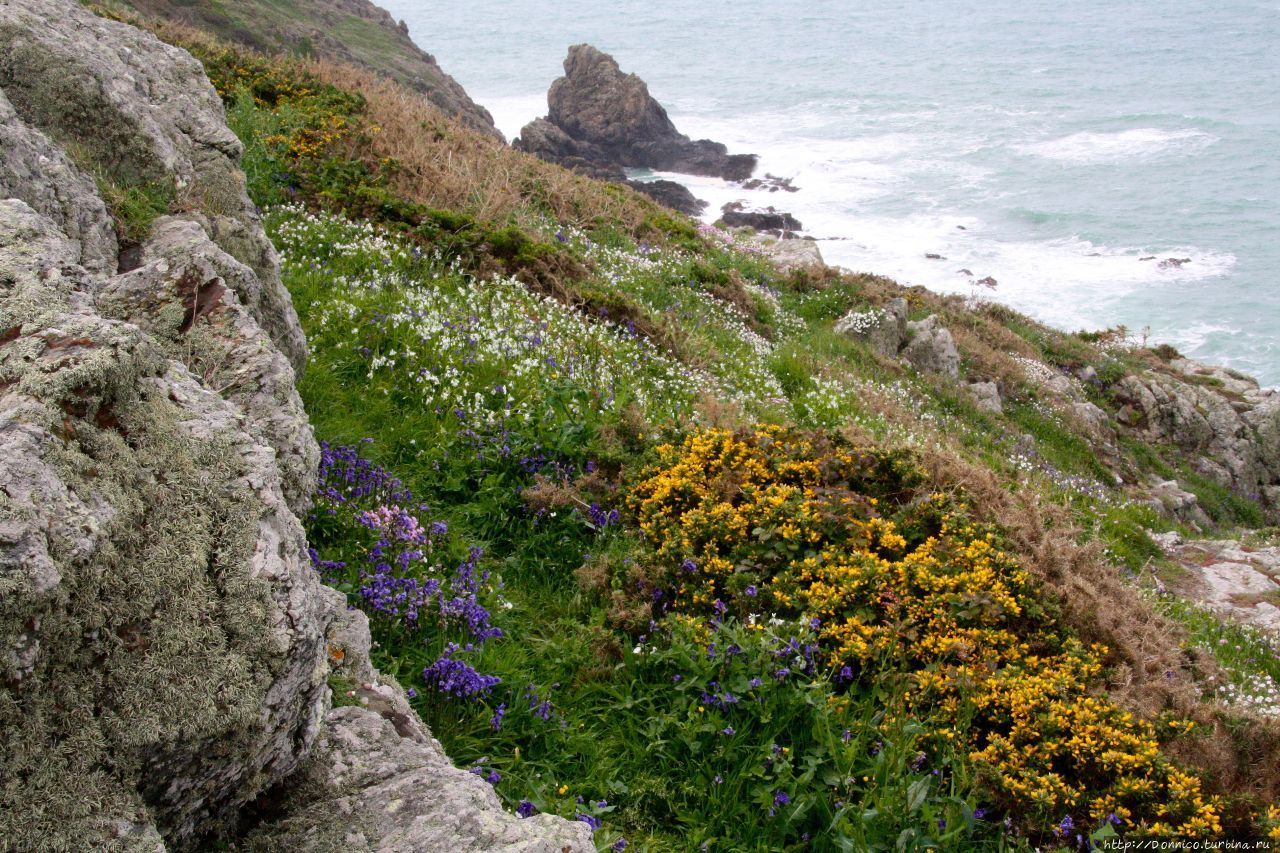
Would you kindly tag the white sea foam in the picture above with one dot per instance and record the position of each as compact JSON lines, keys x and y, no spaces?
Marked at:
{"x":1119,"y":146}
{"x":513,"y":112}
{"x":1068,"y":282}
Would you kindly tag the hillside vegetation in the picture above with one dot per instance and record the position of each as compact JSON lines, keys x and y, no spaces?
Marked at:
{"x":356,"y":32}
{"x":660,"y":549}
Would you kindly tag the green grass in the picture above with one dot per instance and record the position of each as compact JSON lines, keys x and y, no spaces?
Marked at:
{"x":509,"y":407}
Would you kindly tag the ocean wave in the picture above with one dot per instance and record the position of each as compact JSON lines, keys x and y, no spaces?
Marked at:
{"x":1119,"y":146}
{"x":512,"y":112}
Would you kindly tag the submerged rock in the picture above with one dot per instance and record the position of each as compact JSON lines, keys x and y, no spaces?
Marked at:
{"x":601,"y":117}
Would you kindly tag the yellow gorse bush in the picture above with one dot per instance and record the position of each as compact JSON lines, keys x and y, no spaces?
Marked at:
{"x":902,"y":585}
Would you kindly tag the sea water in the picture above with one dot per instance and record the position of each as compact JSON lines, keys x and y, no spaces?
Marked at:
{"x":1063,"y":149}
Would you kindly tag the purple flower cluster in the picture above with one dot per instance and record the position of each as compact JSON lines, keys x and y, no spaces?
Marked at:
{"x":600,"y":519}
{"x":346,"y":476}
{"x":457,"y":677}
{"x":539,"y":706}
{"x":374,"y":514}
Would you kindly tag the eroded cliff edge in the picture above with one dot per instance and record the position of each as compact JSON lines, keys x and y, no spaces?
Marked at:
{"x":165,"y":645}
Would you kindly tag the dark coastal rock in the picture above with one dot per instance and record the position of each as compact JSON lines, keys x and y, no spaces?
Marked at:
{"x":934,"y":256}
{"x":672,"y":195}
{"x":770,"y":219}
{"x":609,"y":118}
{"x":1173,"y":263}
{"x":987,"y":281}
{"x":552,"y":144}
{"x":772,"y":183}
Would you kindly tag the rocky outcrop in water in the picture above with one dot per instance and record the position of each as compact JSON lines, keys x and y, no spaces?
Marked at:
{"x":601,"y":120}
{"x":670,"y":194}
{"x":164,"y":641}
{"x":770,"y":220}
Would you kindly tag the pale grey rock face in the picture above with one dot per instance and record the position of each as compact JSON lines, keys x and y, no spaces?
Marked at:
{"x":931,"y":348}
{"x":34,"y":170}
{"x":378,"y":781}
{"x":145,"y":113}
{"x":1229,"y":425}
{"x":1171,"y":499}
{"x":884,"y":329}
{"x":1229,"y":577}
{"x":165,"y":645}
{"x":185,"y":294}
{"x":374,"y":786}
{"x":162,"y":630}
{"x":162,"y":633}
{"x":791,"y":254}
{"x":986,"y":396}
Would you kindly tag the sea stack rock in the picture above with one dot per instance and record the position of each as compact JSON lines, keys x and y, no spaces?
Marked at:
{"x":601,"y":120}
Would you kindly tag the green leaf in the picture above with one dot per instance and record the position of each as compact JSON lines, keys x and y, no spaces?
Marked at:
{"x":917,"y":794}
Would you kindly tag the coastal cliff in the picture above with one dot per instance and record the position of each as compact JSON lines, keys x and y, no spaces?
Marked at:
{"x":340,"y":440}
{"x":354,"y":32}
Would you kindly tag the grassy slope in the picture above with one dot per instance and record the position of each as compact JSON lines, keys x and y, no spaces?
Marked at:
{"x":518,"y":342}
{"x":360,"y":34}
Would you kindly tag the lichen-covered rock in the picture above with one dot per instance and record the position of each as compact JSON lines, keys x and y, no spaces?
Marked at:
{"x":1229,"y":576}
{"x":792,"y":253}
{"x":371,"y":788}
{"x":931,"y":348}
{"x":1169,"y":498}
{"x":986,"y":397}
{"x":165,"y":645}
{"x":144,"y":115}
{"x":32,"y":169}
{"x":162,"y":634}
{"x":163,"y":629}
{"x":184,"y":294}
